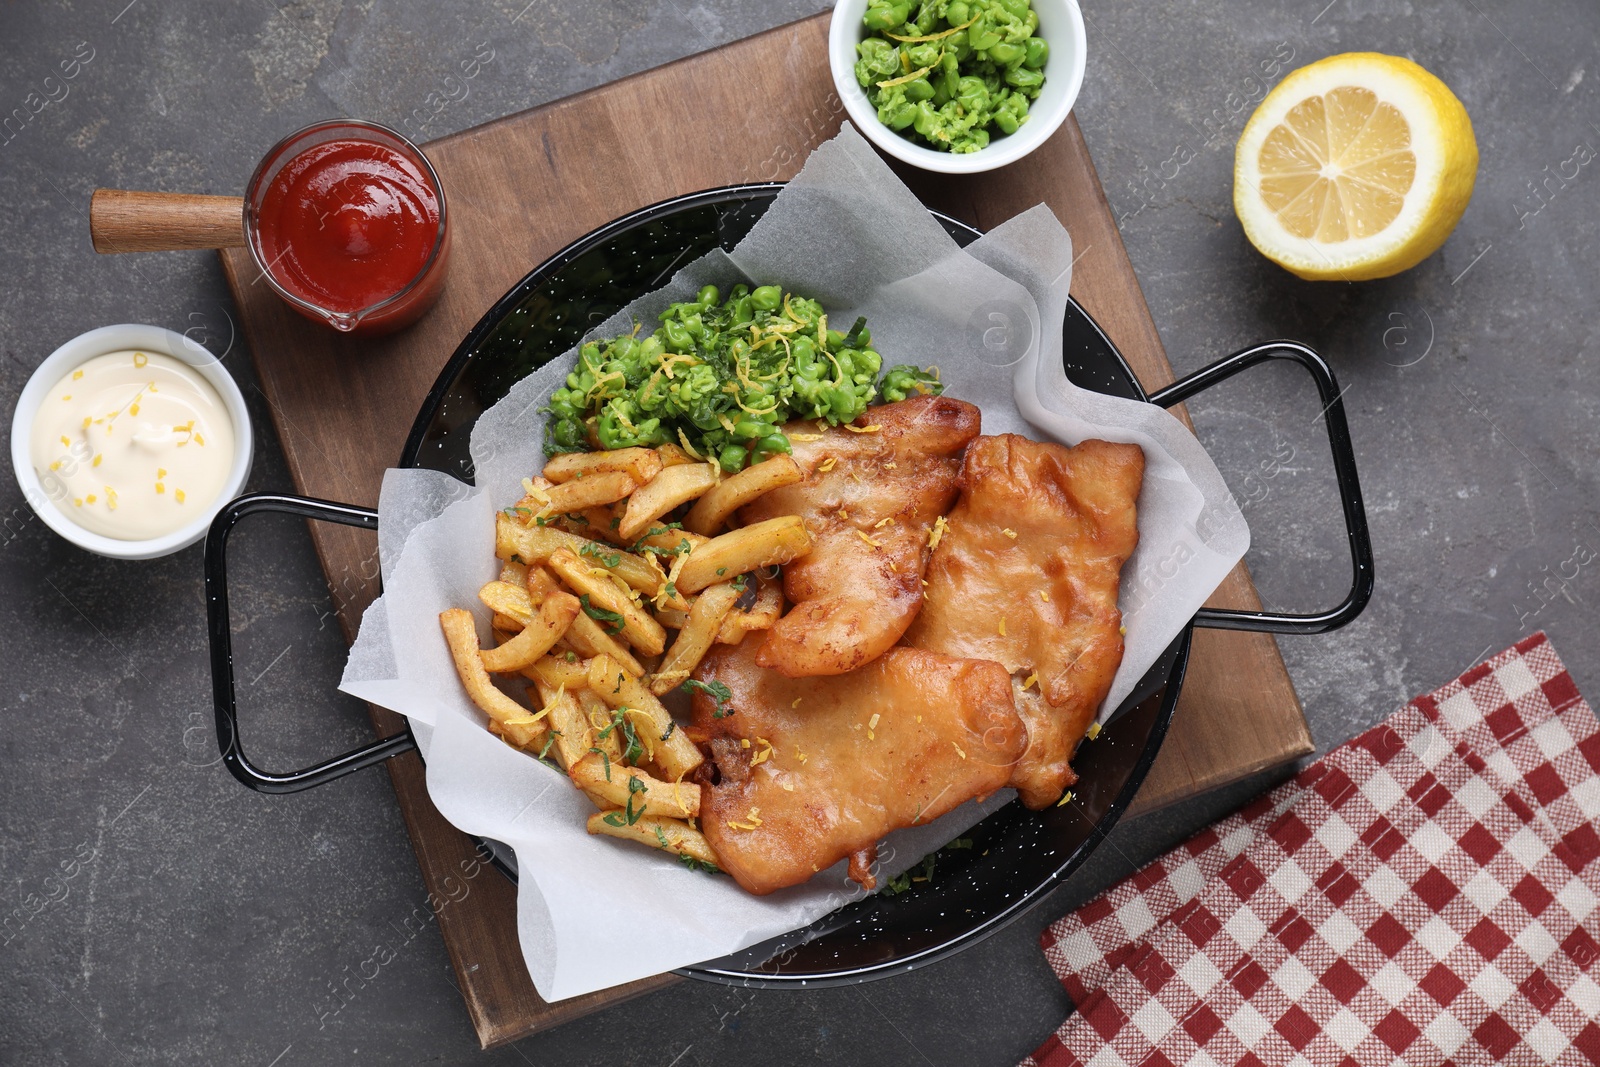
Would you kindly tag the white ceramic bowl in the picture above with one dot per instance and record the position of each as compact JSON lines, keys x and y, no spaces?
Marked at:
{"x":75,"y":353}
{"x":1060,"y":23}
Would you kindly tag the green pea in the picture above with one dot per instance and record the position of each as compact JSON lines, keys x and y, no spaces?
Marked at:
{"x":972,"y":93}
{"x":732,"y":457}
{"x":957,"y":13}
{"x":982,"y":37}
{"x":881,"y":17}
{"x":1023,"y":78}
{"x":1017,"y":8}
{"x":767,"y":298}
{"x":708,"y":296}
{"x":1038,"y":53}
{"x":1007,"y":55}
{"x":900,"y":117}
{"x":678,"y":338}
{"x":1006,"y":122}
{"x":774,"y":444}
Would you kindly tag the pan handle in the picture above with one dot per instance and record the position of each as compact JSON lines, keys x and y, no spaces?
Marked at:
{"x":1344,"y":468}
{"x":221,"y":635}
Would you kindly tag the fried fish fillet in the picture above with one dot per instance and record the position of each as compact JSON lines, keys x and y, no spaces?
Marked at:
{"x":868,"y":500}
{"x":833,"y":764}
{"x":1026,"y":574}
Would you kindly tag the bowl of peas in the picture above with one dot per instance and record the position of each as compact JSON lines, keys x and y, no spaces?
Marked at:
{"x":957,"y":86}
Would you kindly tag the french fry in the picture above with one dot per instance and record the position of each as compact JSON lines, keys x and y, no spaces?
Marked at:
{"x":506,"y":623}
{"x":572,"y":734}
{"x":711,"y":511}
{"x":638,"y":628}
{"x":668,"y":543}
{"x":599,"y":523}
{"x":585,"y":635}
{"x":673,"y":456}
{"x":673,"y":752}
{"x":542,"y":631}
{"x":672,"y":619}
{"x":673,"y":486}
{"x":669,"y":835}
{"x":540,"y":583}
{"x":588,"y":638}
{"x":557,"y":673}
{"x":586,"y":492}
{"x":700,"y":630}
{"x":513,"y":572}
{"x":602,"y":723}
{"x":528,"y":734}
{"x":462,"y":636}
{"x":671,"y":799}
{"x":640,"y":464}
{"x":761,"y":544}
{"x":761,"y":615}
{"x":503,"y":598}
{"x":535,"y":544}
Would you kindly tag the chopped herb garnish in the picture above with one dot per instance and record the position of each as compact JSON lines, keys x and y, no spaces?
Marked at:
{"x":594,"y":550}
{"x":632,"y":749}
{"x":628,"y":816}
{"x":545,"y":751}
{"x":657,"y":531}
{"x":717,"y":691}
{"x":616,"y":520}
{"x":721,"y":571}
{"x":610,"y":621}
{"x":671,"y":726}
{"x":661,"y":839}
{"x":698,"y":865}
{"x":572,"y":657}
{"x":513,"y":512}
{"x":739,"y":582}
{"x":923,"y":872}
{"x":607,"y":759}
{"x":542,"y":520}
{"x":577,"y":519}
{"x":853,"y":338}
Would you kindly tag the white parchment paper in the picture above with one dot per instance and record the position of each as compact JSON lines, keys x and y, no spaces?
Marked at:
{"x":848,"y":232}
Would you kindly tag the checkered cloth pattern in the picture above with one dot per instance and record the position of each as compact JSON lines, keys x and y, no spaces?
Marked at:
{"x":1425,"y":893}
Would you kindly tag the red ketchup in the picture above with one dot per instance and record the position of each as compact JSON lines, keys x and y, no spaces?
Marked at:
{"x":352,"y":227}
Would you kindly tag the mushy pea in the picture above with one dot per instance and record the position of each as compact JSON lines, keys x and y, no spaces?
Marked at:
{"x":720,"y":378}
{"x":943,"y":72}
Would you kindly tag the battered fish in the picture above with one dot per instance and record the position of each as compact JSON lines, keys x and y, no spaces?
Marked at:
{"x":1026,"y":574}
{"x":834,"y":764}
{"x":868,"y":499}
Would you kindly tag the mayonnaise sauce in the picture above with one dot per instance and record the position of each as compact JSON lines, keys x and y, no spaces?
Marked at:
{"x":133,"y":445}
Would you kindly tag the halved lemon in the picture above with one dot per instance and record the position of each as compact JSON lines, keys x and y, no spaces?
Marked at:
{"x":1357,"y":166}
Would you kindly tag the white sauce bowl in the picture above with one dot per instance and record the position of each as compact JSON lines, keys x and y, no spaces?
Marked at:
{"x":1060,"y":24}
{"x":80,"y":350}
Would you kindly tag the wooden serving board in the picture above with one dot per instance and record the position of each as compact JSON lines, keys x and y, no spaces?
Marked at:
{"x":523,"y":187}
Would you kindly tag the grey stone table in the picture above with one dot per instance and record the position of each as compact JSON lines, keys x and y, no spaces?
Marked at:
{"x":212,"y":925}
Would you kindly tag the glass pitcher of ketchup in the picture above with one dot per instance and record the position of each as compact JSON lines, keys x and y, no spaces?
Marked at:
{"x":347,"y":220}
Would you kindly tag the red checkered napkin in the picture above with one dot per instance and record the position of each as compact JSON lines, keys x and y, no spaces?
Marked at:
{"x":1346,"y":931}
{"x":1395,"y":896}
{"x":1500,"y":708}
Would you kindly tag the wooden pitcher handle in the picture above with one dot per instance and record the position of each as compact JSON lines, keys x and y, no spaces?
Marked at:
{"x":124,"y":221}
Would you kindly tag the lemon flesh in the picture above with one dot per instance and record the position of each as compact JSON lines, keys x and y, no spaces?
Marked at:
{"x":1357,"y":166}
